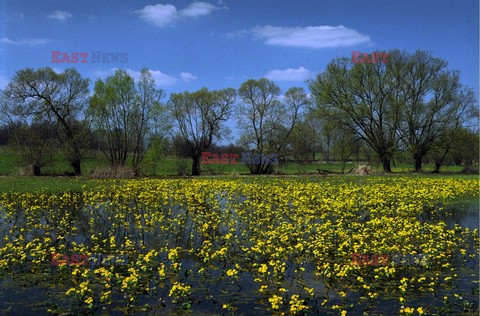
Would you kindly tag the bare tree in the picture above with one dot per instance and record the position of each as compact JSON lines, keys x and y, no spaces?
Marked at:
{"x":327,"y":133}
{"x":199,"y":118}
{"x":266,"y":121}
{"x":306,"y":137}
{"x":433,"y":102}
{"x":44,"y":95}
{"x":35,"y":140}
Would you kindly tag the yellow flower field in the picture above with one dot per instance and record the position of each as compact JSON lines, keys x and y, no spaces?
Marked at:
{"x":265,"y":245}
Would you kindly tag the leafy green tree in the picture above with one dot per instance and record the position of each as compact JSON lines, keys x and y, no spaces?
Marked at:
{"x":465,"y":148}
{"x":362,"y":98}
{"x":149,"y":118}
{"x":123,"y":114}
{"x":411,"y":99}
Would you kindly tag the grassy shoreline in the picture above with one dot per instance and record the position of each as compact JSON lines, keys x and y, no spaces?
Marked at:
{"x":62,"y":183}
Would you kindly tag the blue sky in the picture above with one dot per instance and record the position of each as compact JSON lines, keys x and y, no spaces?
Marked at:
{"x":218,"y":44}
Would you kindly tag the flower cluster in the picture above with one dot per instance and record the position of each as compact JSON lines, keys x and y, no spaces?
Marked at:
{"x":289,"y":240}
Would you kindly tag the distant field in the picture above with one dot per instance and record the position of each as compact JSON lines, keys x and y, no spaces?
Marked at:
{"x":11,"y":165}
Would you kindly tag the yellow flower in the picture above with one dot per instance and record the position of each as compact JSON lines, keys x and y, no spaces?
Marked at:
{"x":275,"y":300}
{"x":296,"y":305}
{"x":71,"y":290}
{"x":263,"y":268}
{"x":173,"y":254}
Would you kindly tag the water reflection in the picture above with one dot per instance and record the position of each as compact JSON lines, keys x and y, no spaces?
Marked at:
{"x":464,"y":213}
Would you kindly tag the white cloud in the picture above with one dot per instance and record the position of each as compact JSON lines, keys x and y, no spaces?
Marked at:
{"x":165,"y":14}
{"x":158,"y":14}
{"x":25,"y":42}
{"x":186,"y":76}
{"x":60,"y":15}
{"x":198,"y":9}
{"x":289,"y":74}
{"x":308,"y":37}
{"x":160,"y":78}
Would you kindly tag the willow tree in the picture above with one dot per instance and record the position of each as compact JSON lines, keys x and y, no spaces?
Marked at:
{"x":364,"y":98}
{"x":43,"y":95}
{"x":266,"y":120}
{"x":200,"y":118}
{"x":123,"y":114}
{"x":434,"y":103}
{"x":411,"y":99}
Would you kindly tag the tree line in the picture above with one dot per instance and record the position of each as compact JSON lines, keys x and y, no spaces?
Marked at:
{"x":412,"y":105}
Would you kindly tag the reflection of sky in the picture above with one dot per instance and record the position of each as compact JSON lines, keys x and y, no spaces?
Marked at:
{"x":465,"y":214}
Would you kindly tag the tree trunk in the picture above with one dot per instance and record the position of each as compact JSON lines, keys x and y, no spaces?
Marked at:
{"x":343,"y":166}
{"x":467,"y":166}
{"x":439,"y":162}
{"x":117,"y":167}
{"x":386,"y":165}
{"x":36,"y":170}
{"x":196,"y":165}
{"x":418,"y":163}
{"x":268,"y":169}
{"x":76,"y":165}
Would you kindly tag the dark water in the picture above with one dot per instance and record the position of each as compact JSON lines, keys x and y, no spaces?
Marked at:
{"x":29,"y":294}
{"x":464,"y":213}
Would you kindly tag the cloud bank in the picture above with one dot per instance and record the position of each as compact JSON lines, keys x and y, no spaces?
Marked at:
{"x":306,"y":37}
